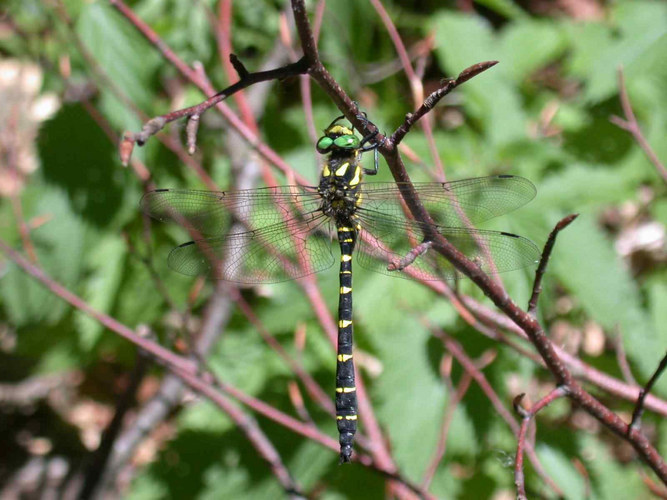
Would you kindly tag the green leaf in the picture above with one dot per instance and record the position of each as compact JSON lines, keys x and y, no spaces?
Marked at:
{"x":408,"y":380}
{"x":106,"y":259}
{"x":505,"y":8}
{"x":560,"y":468}
{"x":121,"y":52}
{"x":528,"y":46}
{"x":599,"y":49}
{"x":657,"y":299}
{"x":86,"y":168}
{"x":59,"y":244}
{"x":610,"y":478}
{"x":580,"y":187}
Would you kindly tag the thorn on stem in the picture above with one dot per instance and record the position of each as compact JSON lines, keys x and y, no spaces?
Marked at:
{"x":126,"y":147}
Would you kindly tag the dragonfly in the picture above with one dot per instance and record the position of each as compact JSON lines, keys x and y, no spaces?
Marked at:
{"x":273,"y":234}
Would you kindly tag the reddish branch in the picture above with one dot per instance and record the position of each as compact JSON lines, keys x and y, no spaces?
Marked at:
{"x":521,"y":318}
{"x":189,"y":372}
{"x":631,"y":124}
{"x":469,"y":366}
{"x":154,"y":125}
{"x":526,"y":417}
{"x":448,"y":85}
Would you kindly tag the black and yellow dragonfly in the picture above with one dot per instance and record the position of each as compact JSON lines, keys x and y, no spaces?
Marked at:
{"x":279,"y":233}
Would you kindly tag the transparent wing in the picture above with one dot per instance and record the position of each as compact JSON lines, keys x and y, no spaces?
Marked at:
{"x":212,"y":212}
{"x":279,"y":252}
{"x":386,"y":240}
{"x":455,"y":204}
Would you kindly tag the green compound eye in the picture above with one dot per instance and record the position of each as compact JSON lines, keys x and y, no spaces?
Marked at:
{"x":347,"y":142}
{"x":324,"y":144}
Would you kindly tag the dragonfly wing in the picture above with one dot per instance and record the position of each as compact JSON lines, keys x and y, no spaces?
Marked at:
{"x":280,"y":252}
{"x":384,"y":241}
{"x":213,"y":212}
{"x":454,"y":204}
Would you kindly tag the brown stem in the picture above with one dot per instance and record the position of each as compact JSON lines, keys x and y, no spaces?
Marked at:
{"x":154,"y":125}
{"x":544,"y":260}
{"x":526,"y":417}
{"x":448,"y":85}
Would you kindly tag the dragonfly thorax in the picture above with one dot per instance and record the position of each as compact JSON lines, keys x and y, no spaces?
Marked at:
{"x":339,"y":185}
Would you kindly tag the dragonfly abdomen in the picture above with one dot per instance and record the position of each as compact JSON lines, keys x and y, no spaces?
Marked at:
{"x":346,"y":390}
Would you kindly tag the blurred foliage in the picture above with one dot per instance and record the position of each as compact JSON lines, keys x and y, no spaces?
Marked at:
{"x":542,"y":113}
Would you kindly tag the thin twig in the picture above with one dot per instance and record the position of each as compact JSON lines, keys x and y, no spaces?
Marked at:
{"x":416,"y":85}
{"x":631,"y":125}
{"x":448,"y":85}
{"x":526,"y":417}
{"x":622,"y":358}
{"x":154,"y":125}
{"x":639,"y":407}
{"x":99,"y":459}
{"x":456,"y":396}
{"x":544,"y":260}
{"x":469,"y":366}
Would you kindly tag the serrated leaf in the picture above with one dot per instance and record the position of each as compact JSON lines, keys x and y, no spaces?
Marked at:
{"x":572,"y":189}
{"x":410,"y":395}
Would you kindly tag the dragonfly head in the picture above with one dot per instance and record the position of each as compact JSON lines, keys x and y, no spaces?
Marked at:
{"x":337,"y":138}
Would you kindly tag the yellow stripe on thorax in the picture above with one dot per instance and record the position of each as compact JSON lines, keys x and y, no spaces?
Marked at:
{"x":357,"y":176}
{"x":340,"y":172}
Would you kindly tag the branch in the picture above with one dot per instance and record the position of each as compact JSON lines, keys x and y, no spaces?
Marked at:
{"x":523,"y":319}
{"x":154,"y":125}
{"x":631,"y":125}
{"x":469,"y":366}
{"x":448,"y":85}
{"x":544,"y":260}
{"x":526,"y":417}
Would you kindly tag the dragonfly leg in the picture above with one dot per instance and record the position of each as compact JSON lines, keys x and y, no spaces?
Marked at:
{"x":410,"y":257}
